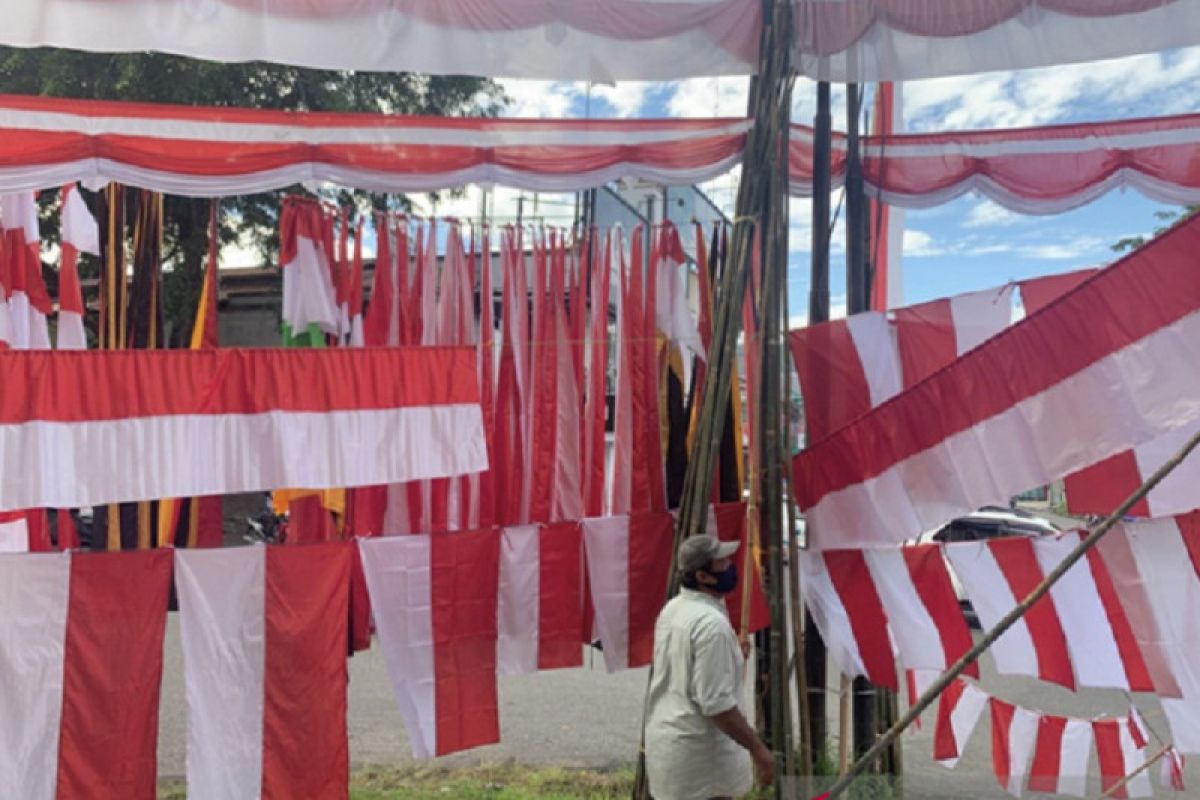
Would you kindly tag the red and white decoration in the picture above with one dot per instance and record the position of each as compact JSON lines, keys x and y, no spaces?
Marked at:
{"x":249,"y":616}
{"x":1104,"y":486}
{"x":1120,"y":756}
{"x":899,"y":470}
{"x":629,"y":563}
{"x":540,"y":606}
{"x":959,"y":709}
{"x":28,"y":303}
{"x":434,"y":600}
{"x":1060,"y":756}
{"x":80,"y":234}
{"x":1013,"y":732}
{"x":319,"y":419}
{"x":81,"y":682}
{"x":306,"y":255}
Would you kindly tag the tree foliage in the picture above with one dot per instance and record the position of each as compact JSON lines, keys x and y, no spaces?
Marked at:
{"x":1169,"y":219}
{"x":159,"y":78}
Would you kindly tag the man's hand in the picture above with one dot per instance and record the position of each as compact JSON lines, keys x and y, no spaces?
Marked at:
{"x":764,"y":764}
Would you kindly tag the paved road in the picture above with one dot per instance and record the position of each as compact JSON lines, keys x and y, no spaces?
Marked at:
{"x":588,"y":718}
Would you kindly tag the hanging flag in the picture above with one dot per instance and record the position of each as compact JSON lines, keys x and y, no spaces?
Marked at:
{"x":28,"y":301}
{"x":81,"y":681}
{"x":1013,"y":732}
{"x":931,"y":335}
{"x":567,"y":493}
{"x":1060,"y":756}
{"x":540,"y":606}
{"x":887,"y":221}
{"x":1119,"y":758}
{"x":434,"y":599}
{"x":309,"y":299}
{"x":249,"y":616}
{"x":671,"y":313}
{"x":1037,"y":293}
{"x":629,"y":565}
{"x":1171,"y":771}
{"x":596,"y":402}
{"x":727,"y":521}
{"x":959,"y":709}
{"x":354,"y":292}
{"x":899,"y":470}
{"x":80,"y":234}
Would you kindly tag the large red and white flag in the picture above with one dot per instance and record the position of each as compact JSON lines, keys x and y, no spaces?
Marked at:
{"x":1013,"y":732}
{"x":434,"y":599}
{"x":540,"y":606}
{"x":1060,"y":756}
{"x":80,"y":234}
{"x":28,"y":300}
{"x":314,"y":418}
{"x":629,"y":564}
{"x":1059,"y":391}
{"x":264,"y":634}
{"x":82,"y":644}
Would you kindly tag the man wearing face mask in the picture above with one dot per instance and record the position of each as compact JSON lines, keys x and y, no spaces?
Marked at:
{"x":698,"y":743}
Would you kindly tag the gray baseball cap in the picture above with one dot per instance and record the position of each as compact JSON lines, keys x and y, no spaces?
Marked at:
{"x":697,"y":551}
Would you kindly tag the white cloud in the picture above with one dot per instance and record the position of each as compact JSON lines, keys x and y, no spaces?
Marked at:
{"x":708,"y":97}
{"x":541,"y":99}
{"x":989,"y":215}
{"x":1080,"y":247}
{"x":625,"y":99}
{"x":920,"y":244}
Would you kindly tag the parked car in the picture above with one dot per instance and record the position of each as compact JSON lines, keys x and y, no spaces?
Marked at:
{"x":990,"y":522}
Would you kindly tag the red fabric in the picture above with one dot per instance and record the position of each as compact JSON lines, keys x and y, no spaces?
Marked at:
{"x":463,"y":583}
{"x":652,"y":370}
{"x":1110,"y":756}
{"x":377,"y":318}
{"x":1037,"y":293}
{"x":70,"y":294}
{"x":37,"y":526}
{"x":731,"y":527}
{"x":831,"y":377}
{"x":309,"y":522}
{"x":112,"y":671}
{"x":1189,"y":530}
{"x":1002,"y":717}
{"x":945,"y":746}
{"x":542,"y":373}
{"x":560,"y":600}
{"x":851,"y":579}
{"x":596,"y":404}
{"x":487,"y":382}
{"x":1016,"y":558}
{"x":883,"y":125}
{"x":931,"y":579}
{"x":645,"y":439}
{"x":68,"y":533}
{"x":1102,"y":487}
{"x":1136,"y":670}
{"x":359,"y":607}
{"x":1147,"y":290}
{"x":1047,"y":755}
{"x":305,"y":745}
{"x":925,"y":338}
{"x":651,"y":536}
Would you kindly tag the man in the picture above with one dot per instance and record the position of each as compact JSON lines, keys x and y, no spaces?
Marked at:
{"x":696,"y":736}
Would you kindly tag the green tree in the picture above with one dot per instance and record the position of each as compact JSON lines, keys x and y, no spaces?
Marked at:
{"x":158,"y":78}
{"x":1169,"y":219}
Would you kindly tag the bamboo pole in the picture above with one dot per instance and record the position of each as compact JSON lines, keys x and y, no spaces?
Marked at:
{"x":844,"y":725}
{"x":1010,"y":619}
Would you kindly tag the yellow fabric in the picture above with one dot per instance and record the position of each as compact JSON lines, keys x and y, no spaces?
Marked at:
{"x":331,"y":499}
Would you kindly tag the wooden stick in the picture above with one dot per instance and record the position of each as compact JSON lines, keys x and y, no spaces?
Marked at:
{"x":844,"y":695}
{"x":1121,"y":784}
{"x":1010,"y":619}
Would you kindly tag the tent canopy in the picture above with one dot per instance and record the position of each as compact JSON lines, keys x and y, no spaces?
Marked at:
{"x":607,"y":40}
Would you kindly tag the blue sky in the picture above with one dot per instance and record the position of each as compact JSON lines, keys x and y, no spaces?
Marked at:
{"x":967,"y":244}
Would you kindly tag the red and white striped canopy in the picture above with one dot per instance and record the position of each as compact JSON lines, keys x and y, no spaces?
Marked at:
{"x":605,"y":40}
{"x":184,"y":150}
{"x":1043,"y":170}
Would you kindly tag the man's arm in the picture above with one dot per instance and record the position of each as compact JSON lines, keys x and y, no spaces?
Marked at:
{"x":734,"y":725}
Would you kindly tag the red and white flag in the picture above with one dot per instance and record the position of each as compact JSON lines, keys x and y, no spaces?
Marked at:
{"x":434,"y":599}
{"x":1060,"y":756}
{"x":931,"y":335}
{"x":1014,"y":730}
{"x":82,"y":645}
{"x":1119,"y":758}
{"x":1102,"y":487}
{"x":1098,"y":385}
{"x":80,"y":234}
{"x":671,"y":312}
{"x":1171,"y":771}
{"x":1037,"y":293}
{"x":28,"y":300}
{"x":309,"y":296}
{"x":629,"y":564}
{"x":959,"y":709}
{"x":727,"y":521}
{"x":540,"y":607}
{"x":312,"y":417}
{"x":264,"y":634}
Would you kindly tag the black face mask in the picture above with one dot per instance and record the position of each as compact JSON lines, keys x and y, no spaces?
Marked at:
{"x":727,"y":579}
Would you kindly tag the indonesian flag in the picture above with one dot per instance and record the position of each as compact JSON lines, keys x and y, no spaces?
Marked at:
{"x":931,"y":335}
{"x":629,"y":564}
{"x":28,"y":301}
{"x":1119,"y":757}
{"x":540,"y":606}
{"x":1060,"y":756}
{"x":727,"y":521}
{"x":1037,"y":293}
{"x":1104,"y":486}
{"x":959,"y":709}
{"x":309,"y":299}
{"x":1013,"y":732}
{"x":315,"y":418}
{"x":81,"y":640}
{"x":80,"y":234}
{"x":887,"y":283}
{"x":434,"y":599}
{"x":1171,"y":771}
{"x":1059,"y":391}
{"x":671,"y":312}
{"x":264,"y":659}
{"x":864,"y":600}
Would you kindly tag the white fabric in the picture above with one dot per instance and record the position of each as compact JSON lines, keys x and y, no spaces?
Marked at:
{"x":607,"y":543}
{"x":66,"y":465}
{"x":308,"y":295}
{"x":990,"y":596}
{"x":697,"y":674}
{"x":1074,"y":758}
{"x":1176,"y":494}
{"x":1140,"y":785}
{"x":1174,"y":592}
{"x":29,"y":329}
{"x":222,"y":618}
{"x":71,"y":333}
{"x":671,"y":313}
{"x":1120,"y":401}
{"x":5,"y":318}
{"x":877,"y":353}
{"x":963,"y":719}
{"x":14,"y":536}
{"x":399,"y":578}
{"x":78,"y":225}
{"x":1022,"y":736}
{"x":517,"y":607}
{"x":34,"y":593}
{"x":978,"y":316}
{"x":19,"y":211}
{"x":830,"y":616}
{"x":913,"y":630}
{"x":1090,"y":638}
